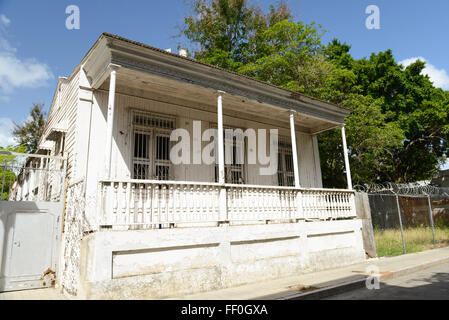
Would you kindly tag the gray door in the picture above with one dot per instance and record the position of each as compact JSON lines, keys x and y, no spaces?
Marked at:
{"x":30,"y":219}
{"x":29,"y":244}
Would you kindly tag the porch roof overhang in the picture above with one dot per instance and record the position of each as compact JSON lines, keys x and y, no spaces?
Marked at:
{"x":47,"y":145}
{"x":56,"y":132}
{"x":158,"y":69}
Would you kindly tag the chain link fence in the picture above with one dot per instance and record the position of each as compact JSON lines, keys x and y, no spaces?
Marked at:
{"x":408,"y":218}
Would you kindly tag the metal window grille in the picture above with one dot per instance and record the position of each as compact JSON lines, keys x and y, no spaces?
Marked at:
{"x":234,"y":172}
{"x":286,"y":174}
{"x":151,"y":144}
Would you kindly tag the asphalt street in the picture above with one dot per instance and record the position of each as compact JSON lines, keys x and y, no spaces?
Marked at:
{"x":428,"y":284}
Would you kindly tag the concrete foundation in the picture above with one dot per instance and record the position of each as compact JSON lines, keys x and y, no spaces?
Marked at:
{"x":154,"y":264}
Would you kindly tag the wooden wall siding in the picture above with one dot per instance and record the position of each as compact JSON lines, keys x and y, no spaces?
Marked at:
{"x":64,"y":109}
{"x":309,"y":176}
{"x":122,"y":142}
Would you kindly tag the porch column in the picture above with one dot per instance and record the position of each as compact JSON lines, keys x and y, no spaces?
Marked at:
{"x":221,"y":162}
{"x":345,"y":152}
{"x":110,"y":118}
{"x":221,"y":165}
{"x":294,"y":149}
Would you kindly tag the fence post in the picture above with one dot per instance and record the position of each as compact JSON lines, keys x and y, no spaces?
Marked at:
{"x":431,"y":221}
{"x":400,"y":224}
{"x":4,"y":175}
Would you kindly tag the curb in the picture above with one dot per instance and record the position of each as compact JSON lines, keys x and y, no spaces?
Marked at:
{"x":360,"y":283}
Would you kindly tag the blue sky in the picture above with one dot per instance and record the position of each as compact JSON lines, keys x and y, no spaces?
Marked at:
{"x":36,"y":47}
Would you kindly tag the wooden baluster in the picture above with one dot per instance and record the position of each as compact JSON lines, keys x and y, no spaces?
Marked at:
{"x":231,"y":202}
{"x":170,"y":209}
{"x":206,"y":212}
{"x":140,"y":205}
{"x":132,"y":205}
{"x":184,"y":203}
{"x":148,"y":210}
{"x":164,"y":204}
{"x":191,"y":204}
{"x":196,"y":194}
{"x":215,"y":203}
{"x":176,"y":203}
{"x":115,"y":202}
{"x":156,"y":206}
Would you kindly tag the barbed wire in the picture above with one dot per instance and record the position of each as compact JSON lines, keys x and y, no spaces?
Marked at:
{"x":402,"y":188}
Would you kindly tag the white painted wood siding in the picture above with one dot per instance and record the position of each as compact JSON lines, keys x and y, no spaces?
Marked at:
{"x":121,"y":168}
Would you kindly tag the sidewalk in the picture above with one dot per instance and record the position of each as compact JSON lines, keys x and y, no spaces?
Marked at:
{"x":290,"y":286}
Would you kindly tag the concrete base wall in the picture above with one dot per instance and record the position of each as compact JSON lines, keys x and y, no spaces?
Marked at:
{"x":160,"y":263}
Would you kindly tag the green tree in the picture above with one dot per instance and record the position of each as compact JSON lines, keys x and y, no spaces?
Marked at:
{"x":29,"y":133}
{"x":7,"y":169}
{"x":399,"y":127}
{"x":227,"y":33}
{"x":410,"y":101}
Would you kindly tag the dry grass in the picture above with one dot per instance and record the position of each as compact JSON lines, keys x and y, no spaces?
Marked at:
{"x":389,"y":242}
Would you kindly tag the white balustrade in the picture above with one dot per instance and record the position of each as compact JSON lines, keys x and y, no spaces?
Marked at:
{"x":328,"y":204}
{"x":154,"y":204}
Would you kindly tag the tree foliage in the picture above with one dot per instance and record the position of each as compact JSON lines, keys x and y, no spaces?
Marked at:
{"x":28,"y":133}
{"x":7,"y":174}
{"x":399,"y":127}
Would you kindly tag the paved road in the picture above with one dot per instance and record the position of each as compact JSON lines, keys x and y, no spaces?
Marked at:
{"x":429,"y":284}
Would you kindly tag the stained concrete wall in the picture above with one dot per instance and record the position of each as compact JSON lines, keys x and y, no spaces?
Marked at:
{"x":363,"y":210}
{"x":160,"y":263}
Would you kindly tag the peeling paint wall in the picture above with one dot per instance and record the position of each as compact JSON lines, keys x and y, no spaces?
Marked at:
{"x":167,"y":262}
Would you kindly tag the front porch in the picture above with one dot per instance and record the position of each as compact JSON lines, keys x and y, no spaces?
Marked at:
{"x":138,"y":187}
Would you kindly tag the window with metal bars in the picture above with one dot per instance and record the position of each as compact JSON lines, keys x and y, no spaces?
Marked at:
{"x":286,"y":174}
{"x":234,"y":172}
{"x":151,"y":146}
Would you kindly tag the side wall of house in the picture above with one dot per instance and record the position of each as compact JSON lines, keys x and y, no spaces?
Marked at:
{"x":64,"y":110}
{"x":308,"y":158}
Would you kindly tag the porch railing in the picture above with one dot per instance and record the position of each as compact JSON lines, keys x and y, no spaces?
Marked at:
{"x":153,"y":203}
{"x":31,"y":177}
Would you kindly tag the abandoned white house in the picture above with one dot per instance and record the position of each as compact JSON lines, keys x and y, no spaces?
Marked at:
{"x":137,"y":225}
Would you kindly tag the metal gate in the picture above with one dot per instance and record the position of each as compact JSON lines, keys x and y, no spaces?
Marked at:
{"x":31,"y":205}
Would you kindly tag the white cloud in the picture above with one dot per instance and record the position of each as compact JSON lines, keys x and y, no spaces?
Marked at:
{"x":439,"y":77}
{"x":6,"y":138}
{"x":16,"y":72}
{"x":4,"y":20}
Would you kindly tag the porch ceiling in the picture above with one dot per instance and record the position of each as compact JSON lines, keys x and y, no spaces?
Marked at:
{"x":142,"y":84}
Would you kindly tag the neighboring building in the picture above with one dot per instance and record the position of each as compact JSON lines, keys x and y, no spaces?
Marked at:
{"x":137,"y":225}
{"x":441,"y":179}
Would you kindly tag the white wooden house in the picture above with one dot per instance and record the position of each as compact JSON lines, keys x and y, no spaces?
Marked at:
{"x":137,"y":225}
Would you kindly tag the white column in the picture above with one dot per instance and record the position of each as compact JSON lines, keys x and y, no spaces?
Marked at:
{"x":221,"y":160}
{"x":110,"y":118}
{"x":294,"y":149}
{"x":345,"y":152}
{"x":221,"y":163}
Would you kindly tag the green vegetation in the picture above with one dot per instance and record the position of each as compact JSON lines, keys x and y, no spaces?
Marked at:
{"x":399,"y":129}
{"x":28,"y":133}
{"x":7,"y":176}
{"x":389,"y":242}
